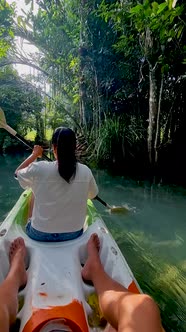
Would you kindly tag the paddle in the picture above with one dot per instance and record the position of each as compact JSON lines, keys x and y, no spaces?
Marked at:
{"x":113,"y":209}
{"x":3,"y":124}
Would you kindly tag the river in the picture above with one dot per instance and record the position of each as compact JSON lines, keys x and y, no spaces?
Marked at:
{"x":152,"y":236}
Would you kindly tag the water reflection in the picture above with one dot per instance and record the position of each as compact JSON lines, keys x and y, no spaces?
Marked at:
{"x":152,"y":236}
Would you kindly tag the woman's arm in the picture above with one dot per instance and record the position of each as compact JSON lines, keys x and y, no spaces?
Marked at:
{"x":37,"y":152}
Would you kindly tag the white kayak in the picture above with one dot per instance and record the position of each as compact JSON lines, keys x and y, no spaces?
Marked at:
{"x":55,"y":292}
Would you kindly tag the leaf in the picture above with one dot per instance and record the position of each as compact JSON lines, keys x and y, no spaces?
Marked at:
{"x":162,"y":6}
{"x":76,"y":98}
{"x":179,"y":32}
{"x":73,"y":63}
{"x":20,"y":20}
{"x":136,"y":9}
{"x":11,"y":34}
{"x":155,"y":6}
{"x":165,"y":69}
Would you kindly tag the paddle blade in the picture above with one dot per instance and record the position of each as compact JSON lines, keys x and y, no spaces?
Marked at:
{"x":2,"y":119}
{"x":119,"y":209}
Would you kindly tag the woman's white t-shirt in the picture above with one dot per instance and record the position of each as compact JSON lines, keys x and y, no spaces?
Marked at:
{"x":59,"y":207}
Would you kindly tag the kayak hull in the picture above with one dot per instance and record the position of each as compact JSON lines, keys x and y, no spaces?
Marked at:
{"x":55,"y":292}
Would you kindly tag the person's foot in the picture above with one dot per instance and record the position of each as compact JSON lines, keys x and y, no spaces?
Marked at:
{"x":17,"y":254}
{"x":93,"y":260}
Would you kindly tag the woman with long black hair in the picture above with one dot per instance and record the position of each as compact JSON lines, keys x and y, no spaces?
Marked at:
{"x":60,"y":189}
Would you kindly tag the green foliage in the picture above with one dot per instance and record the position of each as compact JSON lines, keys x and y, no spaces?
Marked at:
{"x":98,"y":57}
{"x":149,"y":34}
{"x":52,"y":28}
{"x":6,"y":31}
{"x":20,"y":102}
{"x":151,"y":24}
{"x":121,"y":138}
{"x":160,"y":19}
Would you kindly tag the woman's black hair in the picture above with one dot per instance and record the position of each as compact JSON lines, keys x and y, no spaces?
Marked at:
{"x":64,"y":140}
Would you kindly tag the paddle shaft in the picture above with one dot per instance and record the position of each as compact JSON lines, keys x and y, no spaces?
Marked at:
{"x":21,"y":139}
{"x":102,"y":202}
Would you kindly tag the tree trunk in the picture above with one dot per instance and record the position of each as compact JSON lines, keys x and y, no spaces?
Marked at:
{"x":39,"y":129}
{"x":82,"y":55}
{"x":97,"y":107}
{"x":82,"y":92}
{"x":157,"y":136}
{"x":153,"y":110}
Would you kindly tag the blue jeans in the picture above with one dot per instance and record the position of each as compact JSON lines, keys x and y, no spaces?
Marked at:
{"x":36,"y":235}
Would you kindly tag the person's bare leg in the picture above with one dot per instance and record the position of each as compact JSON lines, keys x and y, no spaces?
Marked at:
{"x":9,"y":288}
{"x":125,"y":311}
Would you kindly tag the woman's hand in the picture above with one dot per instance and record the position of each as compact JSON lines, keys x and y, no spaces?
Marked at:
{"x":37,"y":151}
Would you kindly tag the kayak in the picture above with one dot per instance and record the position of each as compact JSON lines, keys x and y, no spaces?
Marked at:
{"x":55,"y":292}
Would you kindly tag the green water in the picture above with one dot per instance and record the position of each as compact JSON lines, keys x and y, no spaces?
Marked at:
{"x":152,"y":236}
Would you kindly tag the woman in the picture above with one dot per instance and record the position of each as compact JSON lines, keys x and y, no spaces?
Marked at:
{"x":60,"y":188}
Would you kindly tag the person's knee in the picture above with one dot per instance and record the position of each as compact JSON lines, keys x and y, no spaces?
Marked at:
{"x":149,"y":305}
{"x":140,"y":304}
{"x":139,"y":313}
